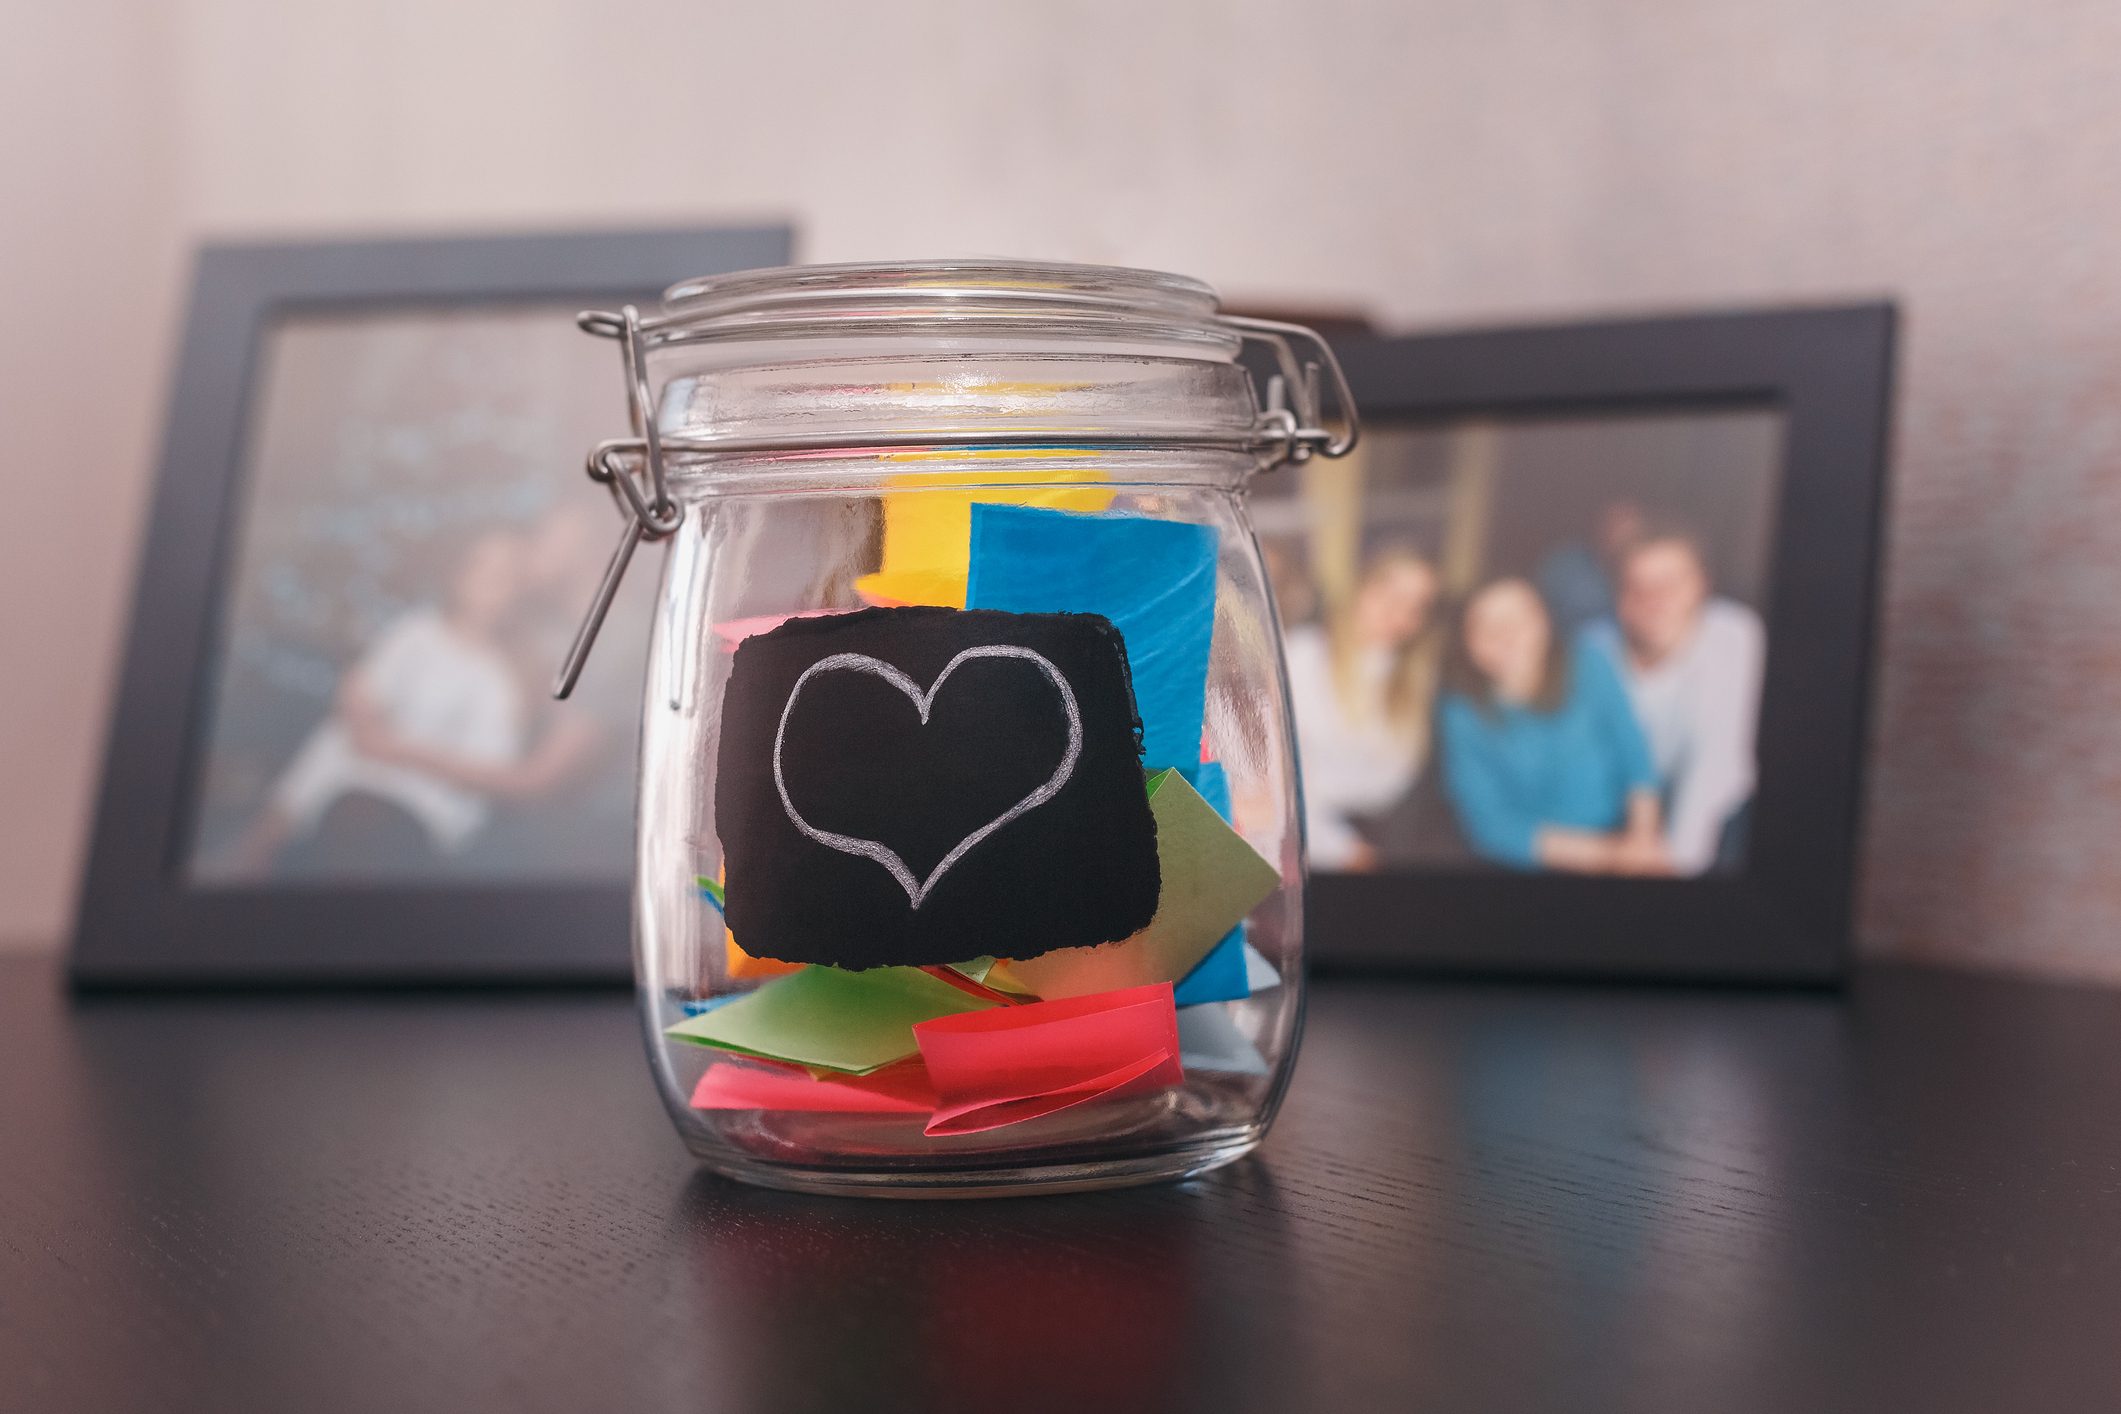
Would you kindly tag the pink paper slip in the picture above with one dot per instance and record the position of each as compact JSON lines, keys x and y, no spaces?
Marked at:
{"x":735,"y":631}
{"x":1011,"y":1064}
{"x":729,"y":1086}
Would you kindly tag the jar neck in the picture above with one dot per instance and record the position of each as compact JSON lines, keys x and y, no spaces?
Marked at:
{"x":998,"y":469}
{"x":986,"y":401}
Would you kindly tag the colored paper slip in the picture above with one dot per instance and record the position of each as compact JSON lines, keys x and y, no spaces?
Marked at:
{"x":729,"y":1085}
{"x":1211,"y":879}
{"x":1220,"y":976}
{"x":822,"y":1016}
{"x":1154,"y":579}
{"x":1208,"y":1040}
{"x":928,"y":527}
{"x":1014,"y":1064}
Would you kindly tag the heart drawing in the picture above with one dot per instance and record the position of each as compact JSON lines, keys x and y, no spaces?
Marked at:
{"x":918,"y":889}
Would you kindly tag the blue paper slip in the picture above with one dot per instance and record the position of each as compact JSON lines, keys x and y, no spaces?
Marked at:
{"x":1154,"y":579}
{"x":1213,"y":783}
{"x":1218,"y":977}
{"x":1233,"y":971}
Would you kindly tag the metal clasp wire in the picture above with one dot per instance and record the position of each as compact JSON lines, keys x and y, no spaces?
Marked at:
{"x":631,"y":468}
{"x":1290,"y":429}
{"x":1296,"y":434}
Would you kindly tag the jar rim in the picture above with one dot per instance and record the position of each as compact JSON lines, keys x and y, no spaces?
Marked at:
{"x":987,"y":294}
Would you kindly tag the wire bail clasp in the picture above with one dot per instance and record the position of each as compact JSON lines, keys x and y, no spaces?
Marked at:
{"x":1289,"y":434}
{"x":631,"y":468}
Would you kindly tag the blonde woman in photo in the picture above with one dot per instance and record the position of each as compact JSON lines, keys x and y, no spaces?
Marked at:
{"x":1363,"y":685}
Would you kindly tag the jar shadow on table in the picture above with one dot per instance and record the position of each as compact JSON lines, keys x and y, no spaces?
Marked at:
{"x":1179,"y":1296}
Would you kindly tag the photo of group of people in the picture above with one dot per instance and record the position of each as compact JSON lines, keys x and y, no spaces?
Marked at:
{"x":1531,"y":645}
{"x":411,"y":556}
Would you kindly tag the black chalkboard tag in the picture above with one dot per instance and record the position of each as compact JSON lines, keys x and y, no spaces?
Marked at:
{"x":911,"y":786}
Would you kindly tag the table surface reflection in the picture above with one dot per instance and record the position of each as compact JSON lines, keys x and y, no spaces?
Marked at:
{"x":1478,"y":1197}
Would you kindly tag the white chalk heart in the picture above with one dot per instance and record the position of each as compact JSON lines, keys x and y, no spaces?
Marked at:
{"x":918,"y":889}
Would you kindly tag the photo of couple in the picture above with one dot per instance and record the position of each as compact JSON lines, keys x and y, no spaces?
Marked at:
{"x":410,"y":562}
{"x":1534,"y":645}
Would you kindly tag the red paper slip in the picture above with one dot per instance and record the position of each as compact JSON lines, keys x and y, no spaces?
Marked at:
{"x":1011,"y":1064}
{"x":728,"y":1086}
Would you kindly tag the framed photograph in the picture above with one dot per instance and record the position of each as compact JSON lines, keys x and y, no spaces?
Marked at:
{"x":334,"y":754}
{"x":1579,"y":645}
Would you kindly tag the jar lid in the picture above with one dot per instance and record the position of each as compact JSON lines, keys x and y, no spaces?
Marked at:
{"x":928,"y":309}
{"x":953,"y":297}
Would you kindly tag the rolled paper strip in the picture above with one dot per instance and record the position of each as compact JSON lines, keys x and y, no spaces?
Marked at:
{"x":855,"y":1022}
{"x":971,"y":987}
{"x":1011,"y":1064}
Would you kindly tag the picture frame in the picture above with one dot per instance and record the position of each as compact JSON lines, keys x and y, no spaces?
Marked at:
{"x":144,"y":918}
{"x":1785,"y":916}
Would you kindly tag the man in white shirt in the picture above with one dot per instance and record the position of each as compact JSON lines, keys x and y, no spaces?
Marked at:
{"x":432,"y":701}
{"x":1692,"y":663}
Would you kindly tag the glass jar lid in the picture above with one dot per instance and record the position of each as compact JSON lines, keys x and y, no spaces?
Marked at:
{"x":951,"y":299}
{"x":875,"y":358}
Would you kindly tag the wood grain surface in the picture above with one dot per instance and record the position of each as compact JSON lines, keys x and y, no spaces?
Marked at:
{"x":1478,"y":1198}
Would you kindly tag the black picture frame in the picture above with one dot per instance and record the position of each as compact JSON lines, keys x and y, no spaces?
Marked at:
{"x":139,"y":922}
{"x":1786,"y":917}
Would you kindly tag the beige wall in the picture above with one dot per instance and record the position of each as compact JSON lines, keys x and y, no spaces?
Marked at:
{"x":1440,"y":161}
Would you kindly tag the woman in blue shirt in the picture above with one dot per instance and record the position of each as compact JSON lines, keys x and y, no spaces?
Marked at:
{"x":1543,"y":760}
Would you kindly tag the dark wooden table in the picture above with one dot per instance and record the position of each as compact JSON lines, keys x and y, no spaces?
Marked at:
{"x":1478,"y":1198}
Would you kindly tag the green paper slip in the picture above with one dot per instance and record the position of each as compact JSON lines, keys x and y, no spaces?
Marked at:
{"x":824,"y":1016}
{"x":1211,"y":880}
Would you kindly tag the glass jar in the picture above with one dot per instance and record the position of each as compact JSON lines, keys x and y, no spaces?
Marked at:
{"x":969,"y":848}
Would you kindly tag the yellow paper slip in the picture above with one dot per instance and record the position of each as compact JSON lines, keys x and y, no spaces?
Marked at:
{"x":928,"y":527}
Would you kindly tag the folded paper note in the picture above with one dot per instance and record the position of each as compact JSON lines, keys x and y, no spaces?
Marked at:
{"x":1019,"y":1063}
{"x":1233,"y":971}
{"x":1154,"y":579}
{"x":1211,"y":879}
{"x":822,"y":1016}
{"x":1220,"y":976}
{"x":928,"y":525}
{"x":905,"y":786}
{"x":970,"y":985}
{"x":1208,"y":1040}
{"x":1260,"y":974}
{"x":730,"y":1086}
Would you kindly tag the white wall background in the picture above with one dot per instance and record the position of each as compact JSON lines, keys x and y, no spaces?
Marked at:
{"x":1439,"y":161}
